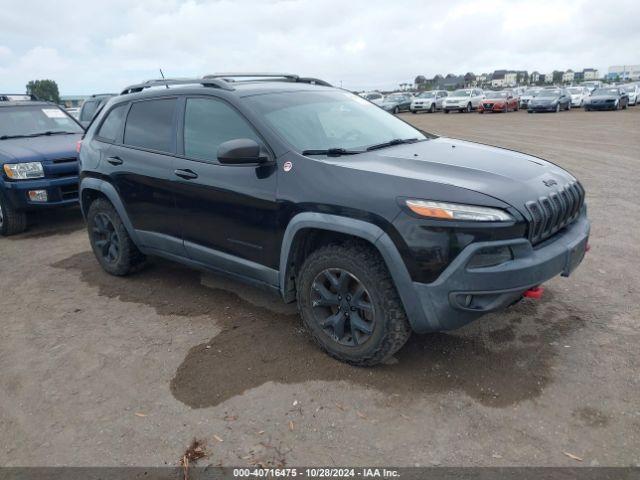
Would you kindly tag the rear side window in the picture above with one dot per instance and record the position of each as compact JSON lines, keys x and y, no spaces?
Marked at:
{"x":88,"y":110}
{"x":208,"y":123}
{"x":150,"y":124}
{"x":112,"y":125}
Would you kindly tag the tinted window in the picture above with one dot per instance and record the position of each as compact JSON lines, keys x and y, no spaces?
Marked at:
{"x":208,"y":123}
{"x":88,"y":109}
{"x":150,"y":124}
{"x":113,"y":123}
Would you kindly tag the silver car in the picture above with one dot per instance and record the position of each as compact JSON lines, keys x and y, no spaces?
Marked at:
{"x":428,"y":101}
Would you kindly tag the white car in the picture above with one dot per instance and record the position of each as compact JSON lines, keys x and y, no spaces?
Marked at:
{"x":578,"y":95}
{"x":633,"y":90}
{"x":373,"y":97}
{"x":592,"y":85}
{"x":463,"y":100}
{"x":428,"y":101}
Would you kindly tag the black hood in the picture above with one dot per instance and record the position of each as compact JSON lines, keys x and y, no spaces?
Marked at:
{"x":512,"y":177}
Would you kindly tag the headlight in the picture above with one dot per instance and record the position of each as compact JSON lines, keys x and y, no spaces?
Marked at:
{"x":454,"y":211}
{"x":23,"y":171}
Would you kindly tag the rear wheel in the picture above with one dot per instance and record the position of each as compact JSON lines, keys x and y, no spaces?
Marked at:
{"x":110,"y":240}
{"x":349,"y":304}
{"x":12,"y":221}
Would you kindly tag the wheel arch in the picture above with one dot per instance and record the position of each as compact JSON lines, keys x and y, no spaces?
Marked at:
{"x":308,"y":222}
{"x":93,"y":188}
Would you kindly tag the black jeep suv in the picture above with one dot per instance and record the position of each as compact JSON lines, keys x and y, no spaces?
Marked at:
{"x":375,"y":228}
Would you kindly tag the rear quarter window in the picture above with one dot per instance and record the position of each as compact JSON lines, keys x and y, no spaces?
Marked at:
{"x":112,"y":125}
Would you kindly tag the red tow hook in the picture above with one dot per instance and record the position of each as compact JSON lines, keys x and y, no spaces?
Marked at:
{"x":587,"y":247}
{"x":535,"y":293}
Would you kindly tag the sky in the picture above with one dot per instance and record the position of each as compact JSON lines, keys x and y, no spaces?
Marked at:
{"x":89,"y":46}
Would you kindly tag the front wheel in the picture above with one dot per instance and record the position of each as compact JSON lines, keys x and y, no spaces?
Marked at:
{"x":110,"y":241}
{"x":349,"y":304}
{"x":469,"y":107}
{"x":446,"y":111}
{"x":12,"y":221}
{"x":432,"y":108}
{"x":557,"y":108}
{"x":396,"y":110}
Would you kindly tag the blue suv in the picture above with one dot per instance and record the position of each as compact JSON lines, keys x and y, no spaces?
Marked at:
{"x":38,"y":159}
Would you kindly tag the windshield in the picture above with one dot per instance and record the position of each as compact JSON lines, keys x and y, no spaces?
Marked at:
{"x":548,"y":94}
{"x":34,"y":120}
{"x":427,"y":95}
{"x":575,"y":90}
{"x":606,"y":91}
{"x":394,"y":98}
{"x":495,"y":94}
{"x":461,"y":93}
{"x":330,"y":119}
{"x":630,"y":88}
{"x":372,"y":96}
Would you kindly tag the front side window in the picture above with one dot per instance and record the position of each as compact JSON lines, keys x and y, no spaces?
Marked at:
{"x":150,"y":124}
{"x":321,"y":120}
{"x":112,"y":125}
{"x":208,"y":123}
{"x":31,"y":121}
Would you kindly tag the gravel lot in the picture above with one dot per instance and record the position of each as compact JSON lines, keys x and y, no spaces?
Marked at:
{"x":99,"y":370}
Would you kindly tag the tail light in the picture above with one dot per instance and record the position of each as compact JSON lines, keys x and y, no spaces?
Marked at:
{"x":78,"y":146}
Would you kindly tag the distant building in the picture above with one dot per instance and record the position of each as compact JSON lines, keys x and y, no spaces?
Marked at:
{"x":590,"y":74}
{"x":535,"y":77}
{"x":567,"y":77}
{"x":624,"y":72}
{"x":548,"y":77}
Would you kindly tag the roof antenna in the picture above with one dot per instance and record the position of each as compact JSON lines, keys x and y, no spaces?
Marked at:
{"x":162,"y":74}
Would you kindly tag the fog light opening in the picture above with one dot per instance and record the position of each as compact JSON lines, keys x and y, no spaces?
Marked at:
{"x":490,"y":257}
{"x":38,"y":195}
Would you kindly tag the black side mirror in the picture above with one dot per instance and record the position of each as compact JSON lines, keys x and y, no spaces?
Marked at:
{"x":240,"y":151}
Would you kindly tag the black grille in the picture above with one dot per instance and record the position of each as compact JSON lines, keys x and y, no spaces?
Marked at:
{"x":554,"y":212}
{"x":64,"y":160}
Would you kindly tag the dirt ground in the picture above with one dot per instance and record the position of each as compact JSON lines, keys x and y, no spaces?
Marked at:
{"x":97,"y":370}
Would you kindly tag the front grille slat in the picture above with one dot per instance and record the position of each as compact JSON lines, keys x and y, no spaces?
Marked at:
{"x":552,"y":213}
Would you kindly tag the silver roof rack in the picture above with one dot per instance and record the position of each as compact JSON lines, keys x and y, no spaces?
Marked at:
{"x":161,"y":82}
{"x":265,"y":77}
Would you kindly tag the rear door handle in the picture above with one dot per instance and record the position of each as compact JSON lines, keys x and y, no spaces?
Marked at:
{"x":114,"y":160}
{"x":186,"y":174}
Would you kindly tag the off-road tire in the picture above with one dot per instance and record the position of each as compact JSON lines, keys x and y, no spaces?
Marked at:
{"x":129,"y":258}
{"x":391,"y":329}
{"x":13,"y":221}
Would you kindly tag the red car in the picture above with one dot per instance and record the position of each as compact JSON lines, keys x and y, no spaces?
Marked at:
{"x":502,"y":101}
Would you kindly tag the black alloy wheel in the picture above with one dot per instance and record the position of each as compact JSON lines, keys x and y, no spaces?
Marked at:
{"x":106,"y":239}
{"x":342,"y":307}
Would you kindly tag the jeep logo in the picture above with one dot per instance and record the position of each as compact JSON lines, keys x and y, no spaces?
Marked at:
{"x":550,"y":183}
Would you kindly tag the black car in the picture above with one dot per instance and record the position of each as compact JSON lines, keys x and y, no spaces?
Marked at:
{"x":375,"y":228}
{"x":91,"y":106}
{"x":38,"y":159}
{"x":608,"y":98}
{"x":550,"y":100}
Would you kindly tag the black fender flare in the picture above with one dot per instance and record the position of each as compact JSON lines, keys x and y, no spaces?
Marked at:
{"x":369,"y":232}
{"x":109,"y":191}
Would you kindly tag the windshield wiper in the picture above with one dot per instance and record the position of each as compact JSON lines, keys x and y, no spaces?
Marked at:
{"x":6,"y":137}
{"x":332,"y":152}
{"x":391,"y":143}
{"x":39,"y":134}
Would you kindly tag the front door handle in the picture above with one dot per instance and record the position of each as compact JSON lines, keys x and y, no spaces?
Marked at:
{"x":186,"y":174}
{"x":114,"y":160}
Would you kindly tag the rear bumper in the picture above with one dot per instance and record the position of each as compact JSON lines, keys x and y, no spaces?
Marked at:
{"x":60,"y":192}
{"x":461,"y":294}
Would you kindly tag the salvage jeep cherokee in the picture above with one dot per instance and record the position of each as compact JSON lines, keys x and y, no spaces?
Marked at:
{"x":375,"y":228}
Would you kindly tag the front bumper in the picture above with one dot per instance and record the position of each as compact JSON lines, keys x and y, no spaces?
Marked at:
{"x":462,"y":294}
{"x":601,"y":106}
{"x":60,"y":192}
{"x":420,"y":107}
{"x":551,"y":107}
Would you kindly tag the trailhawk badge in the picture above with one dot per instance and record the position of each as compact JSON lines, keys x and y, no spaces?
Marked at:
{"x":287,"y":166}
